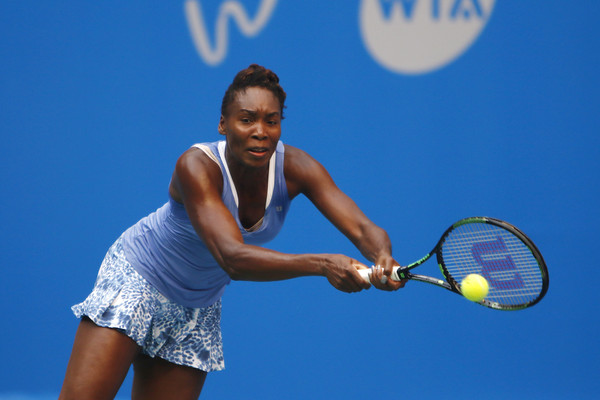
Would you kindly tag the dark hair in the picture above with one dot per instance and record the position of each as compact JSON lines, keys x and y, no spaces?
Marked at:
{"x":254,"y":76}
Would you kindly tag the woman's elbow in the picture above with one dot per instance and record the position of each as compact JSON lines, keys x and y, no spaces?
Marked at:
{"x":233,"y":266}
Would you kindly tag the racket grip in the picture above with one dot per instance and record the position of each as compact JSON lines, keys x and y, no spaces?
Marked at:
{"x":366,"y":274}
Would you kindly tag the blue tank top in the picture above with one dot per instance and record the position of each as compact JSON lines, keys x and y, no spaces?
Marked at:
{"x":166,"y":250}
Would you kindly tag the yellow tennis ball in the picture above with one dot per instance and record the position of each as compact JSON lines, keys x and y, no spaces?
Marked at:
{"x":474,"y":287}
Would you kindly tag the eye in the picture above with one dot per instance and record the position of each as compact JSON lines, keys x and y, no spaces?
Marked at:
{"x":273,"y":120}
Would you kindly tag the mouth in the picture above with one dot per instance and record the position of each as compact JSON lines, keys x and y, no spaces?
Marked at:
{"x":258,"y":151}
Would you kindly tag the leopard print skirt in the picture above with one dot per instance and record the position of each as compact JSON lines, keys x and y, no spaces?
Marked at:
{"x":123,"y":300}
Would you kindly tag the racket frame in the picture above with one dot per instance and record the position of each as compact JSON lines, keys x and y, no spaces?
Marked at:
{"x":452,"y":285}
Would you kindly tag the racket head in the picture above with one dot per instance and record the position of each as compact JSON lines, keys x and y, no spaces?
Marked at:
{"x":511,"y":263}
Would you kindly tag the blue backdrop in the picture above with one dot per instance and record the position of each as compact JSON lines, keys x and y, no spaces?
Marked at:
{"x":98,"y":99}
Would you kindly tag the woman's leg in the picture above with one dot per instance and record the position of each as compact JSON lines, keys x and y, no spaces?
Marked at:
{"x":155,"y":378}
{"x":99,"y":362}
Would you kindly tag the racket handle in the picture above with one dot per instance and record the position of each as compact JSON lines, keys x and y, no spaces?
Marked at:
{"x":366,"y":274}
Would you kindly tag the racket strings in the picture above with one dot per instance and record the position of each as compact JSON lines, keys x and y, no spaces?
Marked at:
{"x":507,"y":263}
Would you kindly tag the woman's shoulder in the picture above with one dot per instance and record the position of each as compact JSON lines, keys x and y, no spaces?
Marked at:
{"x":301,"y":170}
{"x":295,"y":154}
{"x":196,"y":167}
{"x":198,"y":156}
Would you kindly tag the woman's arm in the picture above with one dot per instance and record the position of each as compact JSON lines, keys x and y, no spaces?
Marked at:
{"x":307,"y":176}
{"x":198,"y":182}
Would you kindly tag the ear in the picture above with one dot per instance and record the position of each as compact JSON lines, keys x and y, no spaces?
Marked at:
{"x":221,"y":127}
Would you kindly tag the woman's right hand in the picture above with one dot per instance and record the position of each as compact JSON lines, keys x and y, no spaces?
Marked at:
{"x":342,"y":272}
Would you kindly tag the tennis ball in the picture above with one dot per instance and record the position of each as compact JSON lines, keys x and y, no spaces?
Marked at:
{"x":474,"y":287}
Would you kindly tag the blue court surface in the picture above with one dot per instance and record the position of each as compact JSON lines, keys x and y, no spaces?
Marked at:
{"x":424,"y":112}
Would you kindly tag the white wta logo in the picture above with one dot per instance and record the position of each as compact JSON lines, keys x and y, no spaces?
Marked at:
{"x":419,"y":36}
{"x":230,"y":8}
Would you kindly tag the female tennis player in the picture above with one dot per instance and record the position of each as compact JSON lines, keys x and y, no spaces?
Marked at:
{"x":156,"y":302}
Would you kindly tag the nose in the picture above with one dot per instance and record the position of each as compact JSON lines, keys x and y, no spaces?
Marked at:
{"x":260,"y":131}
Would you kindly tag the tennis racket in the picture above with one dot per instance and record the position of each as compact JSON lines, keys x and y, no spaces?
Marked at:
{"x":498,"y":251}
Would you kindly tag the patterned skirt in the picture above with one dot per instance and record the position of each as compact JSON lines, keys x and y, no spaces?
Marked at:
{"x":122,"y":299}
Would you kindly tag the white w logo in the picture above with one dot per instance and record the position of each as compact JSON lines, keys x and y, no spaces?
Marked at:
{"x":230,"y":8}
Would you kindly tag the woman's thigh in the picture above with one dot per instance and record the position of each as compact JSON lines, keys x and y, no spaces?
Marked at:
{"x":99,"y":362}
{"x":155,"y":378}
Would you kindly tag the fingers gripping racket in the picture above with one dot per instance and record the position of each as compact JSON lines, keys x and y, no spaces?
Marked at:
{"x":498,"y":251}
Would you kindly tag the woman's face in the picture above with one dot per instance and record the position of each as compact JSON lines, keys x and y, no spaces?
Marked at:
{"x":252,"y":127}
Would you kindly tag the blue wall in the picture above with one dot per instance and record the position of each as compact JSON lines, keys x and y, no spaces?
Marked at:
{"x":98,"y":99}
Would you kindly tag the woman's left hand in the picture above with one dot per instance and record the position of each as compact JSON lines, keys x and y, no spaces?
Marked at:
{"x":382,"y":272}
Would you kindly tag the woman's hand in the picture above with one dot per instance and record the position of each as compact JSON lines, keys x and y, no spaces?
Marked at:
{"x":342,"y":272}
{"x":382,"y":272}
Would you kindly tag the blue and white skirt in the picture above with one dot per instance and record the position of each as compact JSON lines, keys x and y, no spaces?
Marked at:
{"x":122,"y":299}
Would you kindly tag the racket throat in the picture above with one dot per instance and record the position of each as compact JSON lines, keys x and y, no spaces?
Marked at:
{"x":401,"y":274}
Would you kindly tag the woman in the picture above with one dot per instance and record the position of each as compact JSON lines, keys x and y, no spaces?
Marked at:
{"x":156,"y":303}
